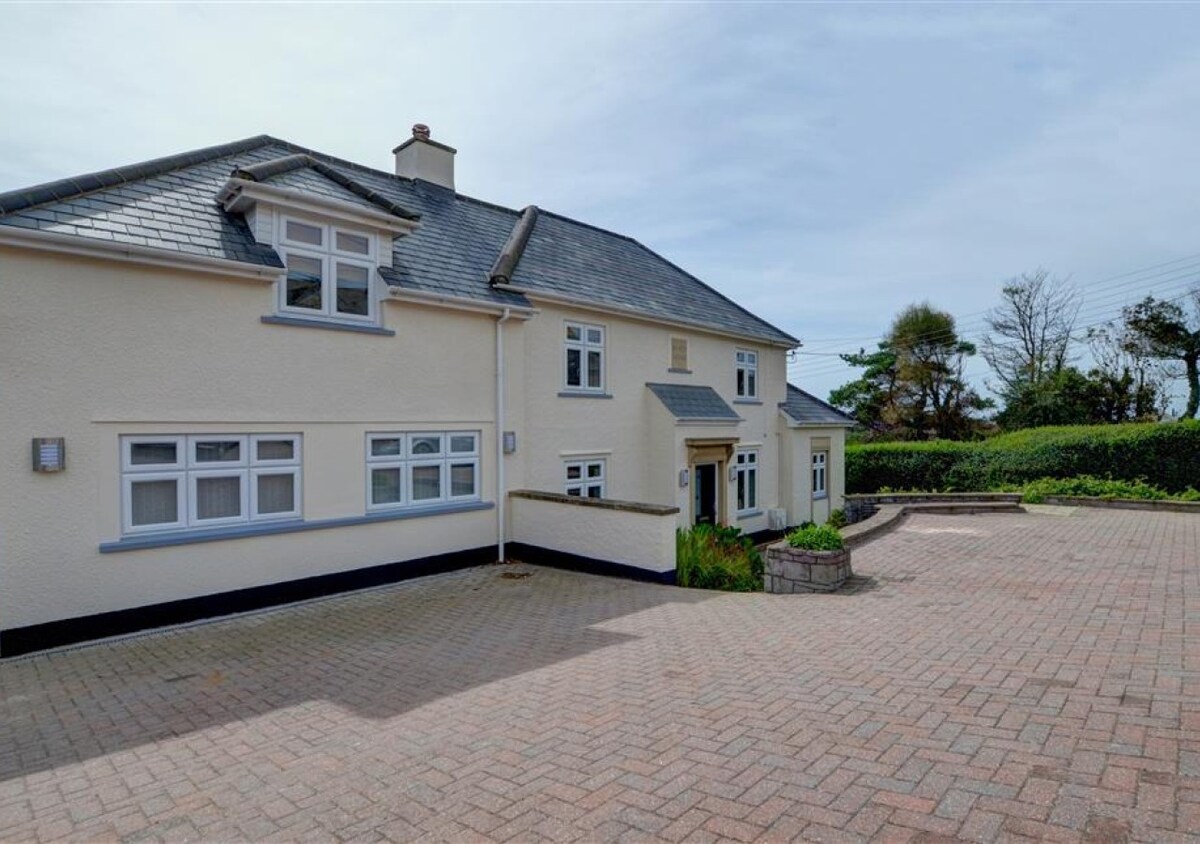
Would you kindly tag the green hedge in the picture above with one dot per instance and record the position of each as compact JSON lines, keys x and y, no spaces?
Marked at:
{"x":1165,"y":454}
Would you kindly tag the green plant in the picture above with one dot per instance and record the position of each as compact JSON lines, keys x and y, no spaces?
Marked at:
{"x":717,"y":557}
{"x":1087,"y":486}
{"x":816,"y":538}
{"x":837,"y":519}
{"x":1166,"y":454}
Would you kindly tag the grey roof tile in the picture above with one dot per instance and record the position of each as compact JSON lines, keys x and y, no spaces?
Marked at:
{"x":171,"y":203}
{"x":807,"y":409}
{"x":688,"y":401}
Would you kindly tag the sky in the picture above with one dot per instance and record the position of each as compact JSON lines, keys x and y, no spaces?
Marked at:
{"x":822,"y":164}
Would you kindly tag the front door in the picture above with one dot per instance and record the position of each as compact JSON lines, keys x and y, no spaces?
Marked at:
{"x":704,"y":502}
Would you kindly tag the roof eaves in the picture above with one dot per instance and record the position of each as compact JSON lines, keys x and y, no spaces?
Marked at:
{"x":23,"y":198}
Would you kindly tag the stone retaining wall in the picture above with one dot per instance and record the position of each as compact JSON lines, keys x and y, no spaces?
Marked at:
{"x":790,"y":570}
{"x":860,"y":506}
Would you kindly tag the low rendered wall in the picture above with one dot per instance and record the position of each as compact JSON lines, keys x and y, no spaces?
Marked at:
{"x":618,"y":533}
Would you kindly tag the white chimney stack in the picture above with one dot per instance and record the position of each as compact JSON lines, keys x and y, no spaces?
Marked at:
{"x":421,"y":158}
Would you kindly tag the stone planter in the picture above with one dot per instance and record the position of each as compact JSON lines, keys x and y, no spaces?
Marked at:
{"x":790,"y":569}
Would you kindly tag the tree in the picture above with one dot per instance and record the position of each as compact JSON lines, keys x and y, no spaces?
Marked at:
{"x":869,"y":399}
{"x":1130,"y":385}
{"x":1068,"y":397}
{"x":936,"y":400}
{"x":912,"y":387}
{"x":1030,"y":331}
{"x":1163,"y":329}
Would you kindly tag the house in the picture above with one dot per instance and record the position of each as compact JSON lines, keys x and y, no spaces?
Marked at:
{"x":255,"y":373}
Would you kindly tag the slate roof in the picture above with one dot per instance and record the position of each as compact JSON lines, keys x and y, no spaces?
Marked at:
{"x":806,"y":409}
{"x":687,"y":401}
{"x":170,"y":204}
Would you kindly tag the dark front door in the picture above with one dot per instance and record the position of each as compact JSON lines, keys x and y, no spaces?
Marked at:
{"x":705,"y":503}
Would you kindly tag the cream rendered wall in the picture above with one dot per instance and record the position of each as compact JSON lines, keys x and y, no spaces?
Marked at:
{"x":92,"y":350}
{"x":641,"y":540}
{"x":803,"y":441}
{"x":632,"y":428}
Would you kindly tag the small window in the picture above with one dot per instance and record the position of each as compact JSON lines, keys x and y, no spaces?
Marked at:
{"x":329,"y":272}
{"x":820,"y":459}
{"x":206,"y":480}
{"x":747,"y":373}
{"x":421,"y":468}
{"x":298,"y":232}
{"x":679,"y":353}
{"x":584,"y":351}
{"x":585,"y":478}
{"x":746,"y":467}
{"x":354,"y":244}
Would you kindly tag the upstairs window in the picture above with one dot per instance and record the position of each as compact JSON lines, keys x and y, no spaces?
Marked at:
{"x":584,"y":351}
{"x":747,"y":374}
{"x":329,"y":272}
{"x":585,"y":478}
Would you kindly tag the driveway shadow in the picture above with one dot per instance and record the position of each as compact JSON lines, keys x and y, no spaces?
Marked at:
{"x":379,"y":653}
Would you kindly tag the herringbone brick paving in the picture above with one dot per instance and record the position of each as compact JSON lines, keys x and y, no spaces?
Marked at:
{"x":984,"y":678}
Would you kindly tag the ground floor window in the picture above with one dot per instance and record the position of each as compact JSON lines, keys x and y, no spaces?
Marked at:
{"x":820,"y":461}
{"x":171,"y":482}
{"x":747,"y":480}
{"x":415,"y":468}
{"x":585,"y":478}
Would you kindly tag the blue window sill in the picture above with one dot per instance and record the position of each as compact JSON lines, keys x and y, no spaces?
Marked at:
{"x":748,"y":514}
{"x":191,"y":537}
{"x":304,"y":322}
{"x":582,"y":395}
{"x":746,"y":401}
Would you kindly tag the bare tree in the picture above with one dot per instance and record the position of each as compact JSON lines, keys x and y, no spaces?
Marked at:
{"x":1130,"y":384}
{"x":1165,"y":330}
{"x":1031,"y":330}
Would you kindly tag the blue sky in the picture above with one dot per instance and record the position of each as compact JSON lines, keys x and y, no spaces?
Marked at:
{"x":822,"y":164}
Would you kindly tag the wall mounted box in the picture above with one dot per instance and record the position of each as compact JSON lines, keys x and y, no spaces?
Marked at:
{"x":49,"y":454}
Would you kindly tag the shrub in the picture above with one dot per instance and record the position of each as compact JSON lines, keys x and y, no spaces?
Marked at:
{"x":1088,"y":486}
{"x":837,"y":519}
{"x":1167,"y":454}
{"x":717,"y":557}
{"x":816,"y":538}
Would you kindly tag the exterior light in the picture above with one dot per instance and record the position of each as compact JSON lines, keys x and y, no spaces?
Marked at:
{"x":49,"y":454}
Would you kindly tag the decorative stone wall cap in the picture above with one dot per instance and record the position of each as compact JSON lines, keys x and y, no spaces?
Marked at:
{"x":601,"y":503}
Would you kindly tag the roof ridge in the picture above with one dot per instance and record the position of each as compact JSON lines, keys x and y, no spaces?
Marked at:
{"x":74,"y":186}
{"x":514,"y":247}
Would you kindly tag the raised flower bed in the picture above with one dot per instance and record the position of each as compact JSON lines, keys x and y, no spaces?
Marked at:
{"x":810,"y":559}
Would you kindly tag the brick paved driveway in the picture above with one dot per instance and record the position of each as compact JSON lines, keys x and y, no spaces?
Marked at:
{"x":988,"y":677}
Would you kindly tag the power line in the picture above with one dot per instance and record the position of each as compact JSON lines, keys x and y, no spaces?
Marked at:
{"x":1184,"y":280}
{"x":1142,"y":276}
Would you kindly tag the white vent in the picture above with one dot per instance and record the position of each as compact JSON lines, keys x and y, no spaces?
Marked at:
{"x":776,"y":519}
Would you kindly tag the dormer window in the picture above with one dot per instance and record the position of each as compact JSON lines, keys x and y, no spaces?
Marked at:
{"x":329,"y":271}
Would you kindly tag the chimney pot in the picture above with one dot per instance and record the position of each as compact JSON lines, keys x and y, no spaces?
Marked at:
{"x":420,"y":130}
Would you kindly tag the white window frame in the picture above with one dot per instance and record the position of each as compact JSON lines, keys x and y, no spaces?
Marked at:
{"x":745,"y":375}
{"x":746,"y":463}
{"x":329,"y":256}
{"x":584,"y":346}
{"x":186,"y":471}
{"x":407,"y":460}
{"x":820,"y":469}
{"x":580,"y":487}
